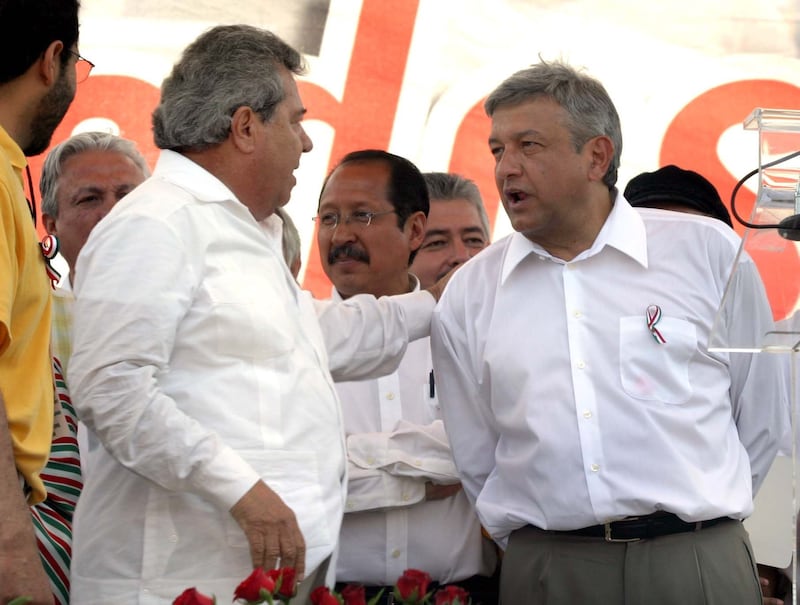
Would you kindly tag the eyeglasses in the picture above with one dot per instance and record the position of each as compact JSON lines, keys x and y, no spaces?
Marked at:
{"x":83,"y":67}
{"x":361,"y":218}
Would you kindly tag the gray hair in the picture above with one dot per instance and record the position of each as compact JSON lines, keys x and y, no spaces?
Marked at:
{"x":227,"y":67}
{"x":591,"y":111}
{"x":290,"y":241}
{"x":449,"y":186}
{"x":75,"y":145}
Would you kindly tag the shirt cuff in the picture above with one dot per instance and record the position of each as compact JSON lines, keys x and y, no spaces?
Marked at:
{"x":417,"y":309}
{"x":226,"y":478}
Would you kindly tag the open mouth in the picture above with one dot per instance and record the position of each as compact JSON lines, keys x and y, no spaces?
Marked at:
{"x":515,"y":196}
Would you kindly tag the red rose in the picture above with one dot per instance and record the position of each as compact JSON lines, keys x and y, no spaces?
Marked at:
{"x":321,"y":595}
{"x":284,"y":580}
{"x":452,"y":595}
{"x":250,"y":589}
{"x":190,"y":596}
{"x":354,"y":594}
{"x":412,"y":586}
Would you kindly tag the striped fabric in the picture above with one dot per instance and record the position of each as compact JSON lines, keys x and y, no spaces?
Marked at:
{"x":52,"y":519}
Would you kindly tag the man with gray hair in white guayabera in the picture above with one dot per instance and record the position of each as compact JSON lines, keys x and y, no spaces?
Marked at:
{"x":203,"y":369}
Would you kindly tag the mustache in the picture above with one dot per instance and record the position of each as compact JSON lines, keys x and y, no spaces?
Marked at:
{"x":347,"y":251}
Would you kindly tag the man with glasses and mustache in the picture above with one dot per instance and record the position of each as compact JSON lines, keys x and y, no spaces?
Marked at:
{"x":38,"y":42}
{"x":405,"y":507}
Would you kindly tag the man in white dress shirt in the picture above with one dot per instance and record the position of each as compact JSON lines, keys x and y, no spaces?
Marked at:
{"x":203,"y":369}
{"x":405,"y":506}
{"x":605,"y":447}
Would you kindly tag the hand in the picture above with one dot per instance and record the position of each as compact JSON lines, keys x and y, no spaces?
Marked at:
{"x":271,"y":530}
{"x":765,"y":590}
{"x":438,"y":288}
{"x":434,"y":491}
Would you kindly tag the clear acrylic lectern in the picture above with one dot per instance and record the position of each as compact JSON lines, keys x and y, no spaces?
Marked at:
{"x":772,"y":240}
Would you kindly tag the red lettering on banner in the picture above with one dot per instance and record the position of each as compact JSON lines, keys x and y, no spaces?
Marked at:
{"x":471,"y":157}
{"x":365,"y":117}
{"x":691,"y":142}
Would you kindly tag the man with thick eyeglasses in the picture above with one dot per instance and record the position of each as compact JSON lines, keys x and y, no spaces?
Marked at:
{"x":405,"y":507}
{"x":37,"y":85}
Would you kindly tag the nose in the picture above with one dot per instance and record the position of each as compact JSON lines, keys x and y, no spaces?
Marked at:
{"x":507,"y":165}
{"x":343,"y":232}
{"x":308,"y":145}
{"x":460,"y":253}
{"x":109,"y":201}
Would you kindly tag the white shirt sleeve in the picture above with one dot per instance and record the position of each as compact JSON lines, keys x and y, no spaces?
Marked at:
{"x":391,"y":469}
{"x":125,"y":326}
{"x":467,"y":417}
{"x":367,"y":337}
{"x":759,"y":389}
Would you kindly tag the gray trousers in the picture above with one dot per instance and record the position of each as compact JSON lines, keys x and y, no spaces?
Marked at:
{"x":713,"y":566}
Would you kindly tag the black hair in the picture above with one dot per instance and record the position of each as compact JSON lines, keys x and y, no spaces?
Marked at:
{"x":28,"y":27}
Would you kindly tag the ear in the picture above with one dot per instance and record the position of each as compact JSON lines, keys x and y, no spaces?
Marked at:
{"x":601,"y":153}
{"x":415,"y":228}
{"x":49,"y":224}
{"x":243,"y":128}
{"x":49,"y":64}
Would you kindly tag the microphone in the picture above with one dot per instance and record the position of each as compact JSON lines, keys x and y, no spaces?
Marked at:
{"x":789,"y":228}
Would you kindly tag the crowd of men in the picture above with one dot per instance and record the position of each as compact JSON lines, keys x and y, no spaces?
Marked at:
{"x":538,"y":419}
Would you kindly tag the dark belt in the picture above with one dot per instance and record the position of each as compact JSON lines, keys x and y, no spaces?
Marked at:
{"x":633,"y":529}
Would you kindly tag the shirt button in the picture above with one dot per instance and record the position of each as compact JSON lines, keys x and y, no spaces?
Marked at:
{"x":595,"y":468}
{"x":587,"y":413}
{"x":395,"y":553}
{"x":173,"y":538}
{"x":581,"y":364}
{"x":389,"y":396}
{"x":406,"y":497}
{"x":577,"y":314}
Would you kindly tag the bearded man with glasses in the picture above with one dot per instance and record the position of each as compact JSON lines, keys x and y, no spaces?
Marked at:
{"x":37,"y":85}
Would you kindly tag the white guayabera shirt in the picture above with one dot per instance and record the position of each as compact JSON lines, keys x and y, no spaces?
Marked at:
{"x":202,"y":367}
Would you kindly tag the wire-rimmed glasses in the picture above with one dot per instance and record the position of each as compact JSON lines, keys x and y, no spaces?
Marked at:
{"x":361,"y":218}
{"x":83,"y":67}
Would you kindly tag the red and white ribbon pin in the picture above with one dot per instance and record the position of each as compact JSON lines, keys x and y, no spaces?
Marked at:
{"x":653,"y":315}
{"x":49,"y":246}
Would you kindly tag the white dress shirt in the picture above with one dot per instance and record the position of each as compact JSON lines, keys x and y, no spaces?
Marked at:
{"x":202,"y":368}
{"x":395,"y":444}
{"x":562,"y":408}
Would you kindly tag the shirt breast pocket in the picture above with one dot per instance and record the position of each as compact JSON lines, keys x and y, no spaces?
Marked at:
{"x":249,"y":320}
{"x":655,"y":371}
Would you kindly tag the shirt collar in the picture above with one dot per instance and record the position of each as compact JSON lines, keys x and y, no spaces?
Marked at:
{"x":176,"y":168}
{"x":12,"y":151}
{"x":624,"y":230}
{"x":338,"y":297}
